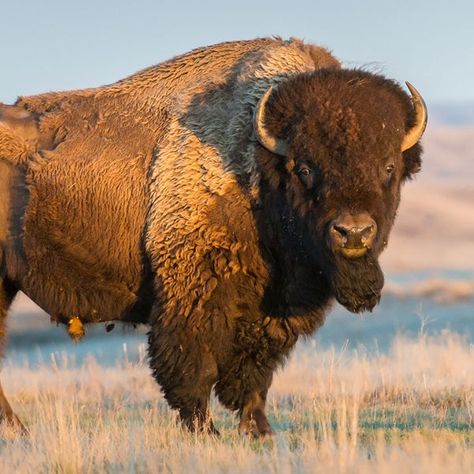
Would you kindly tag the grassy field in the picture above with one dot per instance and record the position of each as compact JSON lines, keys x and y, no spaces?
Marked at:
{"x":411,"y":410}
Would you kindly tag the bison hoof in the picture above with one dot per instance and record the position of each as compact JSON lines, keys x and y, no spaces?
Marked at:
{"x":14,"y":422}
{"x":253,"y":429}
{"x":209,"y":429}
{"x":199,"y":426}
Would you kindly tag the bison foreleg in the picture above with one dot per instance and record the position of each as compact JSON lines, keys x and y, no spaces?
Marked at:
{"x":186,"y":372}
{"x":7,"y":293}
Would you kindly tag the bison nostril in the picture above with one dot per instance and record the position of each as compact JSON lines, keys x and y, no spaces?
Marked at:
{"x":343,"y":231}
{"x":340,"y":235}
{"x":367,"y":232}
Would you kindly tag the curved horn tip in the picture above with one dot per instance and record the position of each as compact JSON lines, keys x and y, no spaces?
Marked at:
{"x":411,"y":87}
{"x":414,"y":92}
{"x":413,"y":135}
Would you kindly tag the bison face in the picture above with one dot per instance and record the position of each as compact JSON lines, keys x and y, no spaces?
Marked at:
{"x":341,"y":143}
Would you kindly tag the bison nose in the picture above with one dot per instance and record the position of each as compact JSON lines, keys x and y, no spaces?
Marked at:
{"x":352,"y":234}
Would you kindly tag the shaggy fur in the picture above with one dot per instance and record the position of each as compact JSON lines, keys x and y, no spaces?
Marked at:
{"x":151,"y":201}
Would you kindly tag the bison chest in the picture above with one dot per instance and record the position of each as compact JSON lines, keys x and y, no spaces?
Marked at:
{"x":268,"y":340}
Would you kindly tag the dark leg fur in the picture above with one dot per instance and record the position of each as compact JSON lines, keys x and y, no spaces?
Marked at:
{"x":188,"y":361}
{"x":186,"y":373}
{"x":7,"y":293}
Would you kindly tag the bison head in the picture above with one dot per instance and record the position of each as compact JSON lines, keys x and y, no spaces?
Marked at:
{"x":337,"y":145}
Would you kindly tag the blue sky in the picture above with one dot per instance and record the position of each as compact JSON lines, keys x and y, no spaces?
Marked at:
{"x":53,"y":45}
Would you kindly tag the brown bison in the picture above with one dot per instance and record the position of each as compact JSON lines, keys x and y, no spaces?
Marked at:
{"x":224,"y":198}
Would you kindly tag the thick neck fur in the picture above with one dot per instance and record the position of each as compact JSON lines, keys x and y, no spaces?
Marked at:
{"x":297,"y":287}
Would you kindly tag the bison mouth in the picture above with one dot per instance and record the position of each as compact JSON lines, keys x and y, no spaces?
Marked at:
{"x":355,"y":252}
{"x":356,"y":283}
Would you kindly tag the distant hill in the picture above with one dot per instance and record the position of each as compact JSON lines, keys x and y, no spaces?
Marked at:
{"x":449,"y":155}
{"x":452,"y":113}
{"x":435,"y":224}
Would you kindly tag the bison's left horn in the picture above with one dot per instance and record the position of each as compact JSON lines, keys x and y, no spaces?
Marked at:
{"x":266,"y":139}
{"x":421,"y":114}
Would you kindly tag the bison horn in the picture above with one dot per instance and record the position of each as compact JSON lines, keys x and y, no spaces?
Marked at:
{"x":266,"y":139}
{"x":421,"y":114}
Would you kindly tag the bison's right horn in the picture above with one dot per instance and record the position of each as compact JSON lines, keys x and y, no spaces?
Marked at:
{"x":266,"y":139}
{"x":421,"y":114}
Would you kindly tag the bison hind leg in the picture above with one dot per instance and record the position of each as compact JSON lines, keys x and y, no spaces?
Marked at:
{"x":7,"y":415}
{"x":7,"y":293}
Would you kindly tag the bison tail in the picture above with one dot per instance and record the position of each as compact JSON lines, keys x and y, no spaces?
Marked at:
{"x":13,"y":147}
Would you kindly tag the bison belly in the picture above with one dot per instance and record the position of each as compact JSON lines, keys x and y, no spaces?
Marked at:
{"x":82,"y":231}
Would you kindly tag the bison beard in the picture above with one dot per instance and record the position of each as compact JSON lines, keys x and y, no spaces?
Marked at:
{"x":356,"y":284}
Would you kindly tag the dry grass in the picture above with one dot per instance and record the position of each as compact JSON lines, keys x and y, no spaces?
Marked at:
{"x":409,"y":411}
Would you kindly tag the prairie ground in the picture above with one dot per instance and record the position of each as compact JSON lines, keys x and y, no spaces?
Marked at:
{"x":408,"y":410}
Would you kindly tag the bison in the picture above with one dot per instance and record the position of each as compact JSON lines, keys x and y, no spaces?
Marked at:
{"x":224,"y":198}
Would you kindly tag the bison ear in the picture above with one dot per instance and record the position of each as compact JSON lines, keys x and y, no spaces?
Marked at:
{"x":412,"y":161}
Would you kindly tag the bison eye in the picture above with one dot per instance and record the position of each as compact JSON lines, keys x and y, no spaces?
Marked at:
{"x":304,"y":171}
{"x":306,"y":175}
{"x":390,"y":168}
